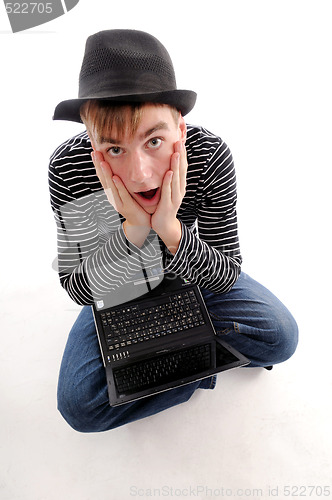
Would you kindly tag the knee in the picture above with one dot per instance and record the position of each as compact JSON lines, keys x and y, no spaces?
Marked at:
{"x":82,"y":410}
{"x":73,"y":411}
{"x":287,"y":337}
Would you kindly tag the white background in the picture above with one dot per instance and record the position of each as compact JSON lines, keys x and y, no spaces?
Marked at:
{"x":262,"y":71}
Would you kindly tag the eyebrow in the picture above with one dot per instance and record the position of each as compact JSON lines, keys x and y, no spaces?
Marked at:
{"x":159,"y":126}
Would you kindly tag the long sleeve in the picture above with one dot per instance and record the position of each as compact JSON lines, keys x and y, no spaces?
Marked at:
{"x":209,"y":252}
{"x":94,"y":256}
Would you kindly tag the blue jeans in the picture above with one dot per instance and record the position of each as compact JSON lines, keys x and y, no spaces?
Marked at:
{"x":249,"y":317}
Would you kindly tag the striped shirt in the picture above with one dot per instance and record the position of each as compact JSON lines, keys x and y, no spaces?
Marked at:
{"x":94,"y":255}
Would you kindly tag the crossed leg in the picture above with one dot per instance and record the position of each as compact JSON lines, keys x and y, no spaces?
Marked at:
{"x":249,"y":317}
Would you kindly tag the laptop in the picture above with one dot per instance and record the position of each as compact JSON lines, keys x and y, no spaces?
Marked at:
{"x":161,"y":339}
{"x":154,"y":331}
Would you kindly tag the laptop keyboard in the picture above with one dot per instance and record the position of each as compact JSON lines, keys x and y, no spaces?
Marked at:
{"x":162,"y":369}
{"x":129,"y":325}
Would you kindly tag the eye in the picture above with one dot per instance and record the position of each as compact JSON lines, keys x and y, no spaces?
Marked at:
{"x":154,"y":143}
{"x":115,"y":151}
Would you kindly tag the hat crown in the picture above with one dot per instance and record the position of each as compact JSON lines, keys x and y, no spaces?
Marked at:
{"x":126,"y":66}
{"x":125,"y":60}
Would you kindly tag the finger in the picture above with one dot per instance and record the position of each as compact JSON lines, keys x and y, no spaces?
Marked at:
{"x":113,"y":194}
{"x":166,"y":189}
{"x":99,"y":170}
{"x":106,"y":168}
{"x":105,"y":175}
{"x":179,"y":148}
{"x":183,"y":167}
{"x":123,"y":193}
{"x":103,"y":170}
{"x":175,"y":186}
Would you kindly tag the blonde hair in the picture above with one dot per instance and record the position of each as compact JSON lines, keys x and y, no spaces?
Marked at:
{"x":102,"y":117}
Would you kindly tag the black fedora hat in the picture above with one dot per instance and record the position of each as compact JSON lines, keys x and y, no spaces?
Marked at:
{"x":126,"y":66}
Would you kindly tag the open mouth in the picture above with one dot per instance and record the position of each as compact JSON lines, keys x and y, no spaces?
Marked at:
{"x":148,"y":195}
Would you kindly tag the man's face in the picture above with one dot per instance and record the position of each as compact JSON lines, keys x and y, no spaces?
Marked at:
{"x":142,"y":160}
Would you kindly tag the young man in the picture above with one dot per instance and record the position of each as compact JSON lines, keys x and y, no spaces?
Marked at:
{"x":139,"y":189}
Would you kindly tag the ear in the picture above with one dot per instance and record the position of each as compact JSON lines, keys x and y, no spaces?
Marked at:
{"x":182,"y":130}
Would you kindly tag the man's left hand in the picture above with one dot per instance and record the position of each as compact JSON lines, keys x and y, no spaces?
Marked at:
{"x":164,"y":220}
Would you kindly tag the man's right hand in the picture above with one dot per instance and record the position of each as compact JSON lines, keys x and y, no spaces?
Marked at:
{"x":138,"y":222}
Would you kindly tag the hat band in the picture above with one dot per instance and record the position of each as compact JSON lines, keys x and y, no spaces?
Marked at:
{"x":128,"y":82}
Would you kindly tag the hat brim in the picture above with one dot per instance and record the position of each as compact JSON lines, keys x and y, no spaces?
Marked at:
{"x":183,"y":100}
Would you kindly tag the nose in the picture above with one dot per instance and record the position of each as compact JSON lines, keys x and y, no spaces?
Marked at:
{"x":139,"y":169}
